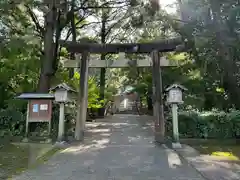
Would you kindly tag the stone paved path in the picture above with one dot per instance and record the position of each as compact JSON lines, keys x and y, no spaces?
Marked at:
{"x":120,"y":148}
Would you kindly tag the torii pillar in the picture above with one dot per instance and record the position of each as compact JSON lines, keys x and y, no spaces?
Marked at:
{"x":158,"y":110}
{"x":82,"y":96}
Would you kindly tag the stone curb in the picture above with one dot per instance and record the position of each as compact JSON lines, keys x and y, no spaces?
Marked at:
{"x":188,"y":162}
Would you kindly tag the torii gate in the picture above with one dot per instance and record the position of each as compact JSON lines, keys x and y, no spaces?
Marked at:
{"x":156,"y":61}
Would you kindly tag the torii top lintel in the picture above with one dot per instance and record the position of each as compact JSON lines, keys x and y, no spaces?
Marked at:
{"x":161,"y":46}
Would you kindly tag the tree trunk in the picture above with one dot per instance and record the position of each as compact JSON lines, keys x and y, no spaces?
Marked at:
{"x":74,"y":39}
{"x":44,"y":83}
{"x":183,"y":11}
{"x":149,"y":99}
{"x":103,"y":70}
{"x":47,"y":61}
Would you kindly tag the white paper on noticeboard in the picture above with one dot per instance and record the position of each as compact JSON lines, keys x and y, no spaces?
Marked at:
{"x":43,"y":107}
{"x":35,"y":108}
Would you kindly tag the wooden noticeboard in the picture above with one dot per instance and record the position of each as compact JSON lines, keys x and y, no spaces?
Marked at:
{"x":40,"y":110}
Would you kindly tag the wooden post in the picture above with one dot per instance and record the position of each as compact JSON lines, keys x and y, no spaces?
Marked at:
{"x":157,"y":97}
{"x":175,"y":122}
{"x":27,"y":120}
{"x":82,"y":97}
{"x":84,"y":115}
{"x":61,"y":122}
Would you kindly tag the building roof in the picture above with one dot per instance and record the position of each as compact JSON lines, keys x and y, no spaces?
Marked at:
{"x":36,"y":96}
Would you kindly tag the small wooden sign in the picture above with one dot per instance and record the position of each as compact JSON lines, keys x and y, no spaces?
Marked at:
{"x":175,"y":96}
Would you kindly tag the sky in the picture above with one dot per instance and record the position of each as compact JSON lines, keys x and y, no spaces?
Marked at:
{"x":168,"y":5}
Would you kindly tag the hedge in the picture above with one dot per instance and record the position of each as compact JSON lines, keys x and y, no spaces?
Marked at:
{"x":214,"y":124}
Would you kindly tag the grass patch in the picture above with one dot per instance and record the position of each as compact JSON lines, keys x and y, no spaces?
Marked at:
{"x":16,"y":158}
{"x":12,"y":159}
{"x":225,"y":150}
{"x":47,"y":155}
{"x":228,"y":152}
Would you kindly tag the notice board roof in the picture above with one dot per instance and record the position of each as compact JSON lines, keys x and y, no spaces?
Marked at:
{"x":36,"y":96}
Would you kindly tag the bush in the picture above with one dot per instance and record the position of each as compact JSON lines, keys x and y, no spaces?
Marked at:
{"x":12,"y":122}
{"x":214,"y":124}
{"x":234,"y":118}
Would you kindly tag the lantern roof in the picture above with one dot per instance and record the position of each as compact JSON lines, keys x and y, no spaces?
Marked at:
{"x":178,"y":86}
{"x":62,"y":86}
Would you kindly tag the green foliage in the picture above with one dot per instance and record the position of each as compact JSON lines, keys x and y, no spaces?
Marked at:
{"x":213,"y":45}
{"x":209,"y":124}
{"x":12,"y":122}
{"x":93,"y":91}
{"x":213,"y":40}
{"x":93,"y":94}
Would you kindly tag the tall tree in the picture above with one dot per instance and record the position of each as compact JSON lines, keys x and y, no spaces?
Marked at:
{"x":212,"y":27}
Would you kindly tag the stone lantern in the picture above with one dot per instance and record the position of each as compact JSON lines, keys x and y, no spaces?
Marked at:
{"x":63,"y":94}
{"x":174,"y":98}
